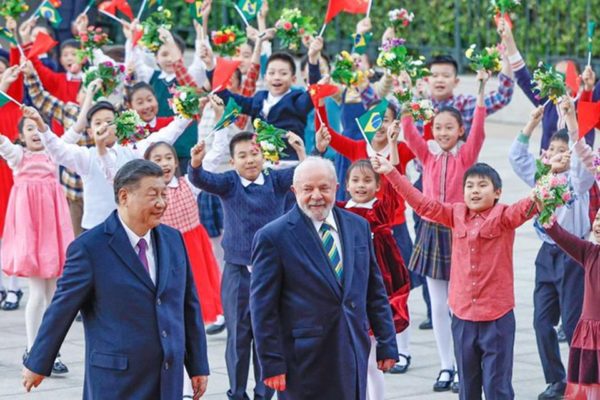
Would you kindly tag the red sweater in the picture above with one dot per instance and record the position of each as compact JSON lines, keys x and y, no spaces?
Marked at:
{"x":357,"y":150}
{"x":161,"y":122}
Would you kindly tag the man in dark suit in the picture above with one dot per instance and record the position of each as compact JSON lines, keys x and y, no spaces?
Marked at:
{"x":315,"y":292}
{"x":131,"y":279}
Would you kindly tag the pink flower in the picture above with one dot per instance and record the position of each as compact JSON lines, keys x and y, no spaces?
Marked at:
{"x":301,"y":31}
{"x":97,"y":38}
{"x":287,"y":25}
{"x":99,"y":30}
{"x":566,"y":197}
{"x":405,"y":22}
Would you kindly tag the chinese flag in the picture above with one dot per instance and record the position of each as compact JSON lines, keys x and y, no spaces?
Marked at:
{"x":588,"y":116}
{"x":318,"y":92}
{"x":55,"y":3}
{"x":112,"y":6}
{"x":571,"y":78}
{"x":350,"y":6}
{"x":223,"y":72}
{"x":43,"y":44}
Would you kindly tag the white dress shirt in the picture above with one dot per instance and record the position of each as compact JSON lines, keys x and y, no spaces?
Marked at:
{"x":369,"y":204}
{"x":134,"y":239}
{"x":258,"y":181}
{"x":270,"y":102}
{"x":334,"y":232}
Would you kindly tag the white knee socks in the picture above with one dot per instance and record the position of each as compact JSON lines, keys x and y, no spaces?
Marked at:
{"x":442,"y":323}
{"x":40,"y":295}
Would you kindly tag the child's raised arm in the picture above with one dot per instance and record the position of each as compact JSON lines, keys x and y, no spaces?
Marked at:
{"x":521,"y":160}
{"x":12,"y":153}
{"x":415,"y":141}
{"x":574,"y":246}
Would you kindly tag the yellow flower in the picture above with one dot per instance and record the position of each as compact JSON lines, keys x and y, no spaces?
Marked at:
{"x":469,"y":52}
{"x":256,"y":123}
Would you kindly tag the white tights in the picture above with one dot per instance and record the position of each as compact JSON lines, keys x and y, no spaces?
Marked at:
{"x":40,"y":295}
{"x":442,"y":323}
{"x":375,"y":379}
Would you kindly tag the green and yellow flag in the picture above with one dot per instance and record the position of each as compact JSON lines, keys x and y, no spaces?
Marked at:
{"x":7,"y":35}
{"x":196,"y":10}
{"x":50,"y":13}
{"x":250,"y":8}
{"x":230,"y":115}
{"x":361,"y":42}
{"x":371,"y":121}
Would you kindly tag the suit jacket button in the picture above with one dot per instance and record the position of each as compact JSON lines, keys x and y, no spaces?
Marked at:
{"x":353,"y":305}
{"x":158,"y":302}
{"x":164,"y":334}
{"x":166,"y":366}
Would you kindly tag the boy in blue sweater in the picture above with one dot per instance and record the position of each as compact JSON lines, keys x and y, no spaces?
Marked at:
{"x":558,"y":280}
{"x":251,"y":198}
{"x":280,"y":105}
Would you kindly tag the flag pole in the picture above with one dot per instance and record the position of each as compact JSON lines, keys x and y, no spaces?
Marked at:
{"x":322,"y":30}
{"x":369,"y":8}
{"x":241,"y":15}
{"x":591,"y":29}
{"x":88,"y":7}
{"x":365,"y":136}
{"x":141,"y":10}
{"x":3,"y":93}
{"x":32,"y":16}
{"x":109,"y":15}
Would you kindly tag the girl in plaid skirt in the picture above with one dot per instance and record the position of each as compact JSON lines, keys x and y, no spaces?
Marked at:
{"x":444,"y":160}
{"x":182,"y":214}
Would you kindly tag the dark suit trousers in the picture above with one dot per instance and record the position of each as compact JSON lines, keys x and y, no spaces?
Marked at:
{"x":484,"y":356}
{"x":235,"y":297}
{"x":558,"y":295}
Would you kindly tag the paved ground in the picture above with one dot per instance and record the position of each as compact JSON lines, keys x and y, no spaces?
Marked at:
{"x":416,"y":384}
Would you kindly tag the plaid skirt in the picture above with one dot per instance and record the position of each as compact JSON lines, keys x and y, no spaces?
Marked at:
{"x":432,"y":251}
{"x":211,"y":213}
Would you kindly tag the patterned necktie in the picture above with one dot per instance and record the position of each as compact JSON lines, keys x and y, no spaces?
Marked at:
{"x":331,"y":250}
{"x":142,"y":247}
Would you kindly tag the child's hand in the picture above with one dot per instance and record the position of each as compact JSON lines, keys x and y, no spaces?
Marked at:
{"x":534,"y":120}
{"x":93,"y":89}
{"x":11,"y":24}
{"x":264,"y":10}
{"x":206,"y":55}
{"x":589,"y":78}
{"x":483,"y":76}
{"x":166,"y":36}
{"x":251,"y":33}
{"x":81,"y":23}
{"x":129,"y":28}
{"x":322,"y":139}
{"x":388,"y":34}
{"x":393,"y":132}
{"x":27,"y":67}
{"x":217,"y":105}
{"x":101,"y":137}
{"x":560,"y":162}
{"x":297,"y":144}
{"x":25,"y":30}
{"x":33,"y":114}
{"x":567,"y":106}
{"x":363,"y":26}
{"x":381,"y":165}
{"x":10,"y":75}
{"x":267,"y":35}
{"x":314,"y":50}
{"x":206,"y":10}
{"x":197,"y":154}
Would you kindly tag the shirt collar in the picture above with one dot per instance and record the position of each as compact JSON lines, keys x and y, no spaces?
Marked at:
{"x":384,"y":153}
{"x":258,"y":181}
{"x":436,"y":150}
{"x":273,"y":99}
{"x":74,"y":77}
{"x":483,"y":215}
{"x":174,"y":183}
{"x":330,"y":220}
{"x":152,"y":123}
{"x":166,"y":77}
{"x":133,"y":237}
{"x":369,"y":204}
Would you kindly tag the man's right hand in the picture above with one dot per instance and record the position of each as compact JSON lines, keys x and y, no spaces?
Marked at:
{"x":31,"y":379}
{"x":323,"y":138}
{"x":276,"y":382}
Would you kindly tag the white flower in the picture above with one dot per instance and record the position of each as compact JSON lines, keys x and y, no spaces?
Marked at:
{"x":183,"y":96}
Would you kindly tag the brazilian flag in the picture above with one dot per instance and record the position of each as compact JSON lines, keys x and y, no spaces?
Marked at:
{"x":230,"y":115}
{"x":371,"y":121}
{"x":50,"y":13}
{"x":361,"y":42}
{"x":196,"y":10}
{"x":250,"y":8}
{"x":7,"y":35}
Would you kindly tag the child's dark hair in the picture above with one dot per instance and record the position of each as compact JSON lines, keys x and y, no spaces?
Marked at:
{"x":116,"y":52}
{"x":135,"y":88}
{"x":571,"y":60}
{"x":154,"y":145}
{"x":453,"y":112}
{"x":21,"y":123}
{"x":390,"y":106}
{"x":363,"y":165}
{"x":285,"y":57}
{"x":561,"y":135}
{"x":483,"y":170}
{"x":238,"y":138}
{"x":444,"y":59}
{"x":69,"y":43}
{"x":179,"y":42}
{"x":238,"y":75}
{"x":99,"y":106}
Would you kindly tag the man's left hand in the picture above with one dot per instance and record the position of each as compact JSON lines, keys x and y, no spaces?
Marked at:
{"x":199,"y":385}
{"x":31,"y":379}
{"x":386,"y":365}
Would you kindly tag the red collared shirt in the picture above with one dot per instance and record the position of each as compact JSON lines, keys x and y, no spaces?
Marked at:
{"x":481,"y":275}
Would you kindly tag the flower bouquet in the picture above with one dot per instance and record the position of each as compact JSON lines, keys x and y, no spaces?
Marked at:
{"x":400,"y":18}
{"x":186,"y":101}
{"x":270,"y":140}
{"x":110,"y":74}
{"x":129,"y":127}
{"x":395,"y":59}
{"x":226,"y":41}
{"x":551,"y":191}
{"x":502,"y":8}
{"x":421,"y":110}
{"x":161,"y":18}
{"x":549,"y":83}
{"x":13,"y":8}
{"x":347,"y":72}
{"x":93,"y":39}
{"x":292,"y":26}
{"x":488,"y":59}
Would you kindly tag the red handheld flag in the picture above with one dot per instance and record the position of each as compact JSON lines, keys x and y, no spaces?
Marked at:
{"x":223,"y":72}
{"x":498,"y":17}
{"x":350,"y":6}
{"x":318,"y":92}
{"x":572,"y":78}
{"x":137,"y":35}
{"x":43,"y":44}
{"x":55,"y":3}
{"x":588,"y":116}
{"x":112,"y":6}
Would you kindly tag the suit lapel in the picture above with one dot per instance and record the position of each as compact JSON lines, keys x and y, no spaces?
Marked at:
{"x":308,"y":239}
{"x":163,"y":266}
{"x":346,"y":238}
{"x":121,"y":245}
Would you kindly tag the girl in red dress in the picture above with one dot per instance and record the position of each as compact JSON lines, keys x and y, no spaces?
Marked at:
{"x":182,"y":214}
{"x":363,"y":183}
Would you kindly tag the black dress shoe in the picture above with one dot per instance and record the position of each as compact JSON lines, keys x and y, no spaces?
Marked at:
{"x":554,"y":391}
{"x":426,"y":325}
{"x":444,"y":386}
{"x":13,"y":305}
{"x":400,"y":368}
{"x":215,"y":329}
{"x":59,"y":368}
{"x":2,"y":296}
{"x":560,"y":333}
{"x":455,"y":387}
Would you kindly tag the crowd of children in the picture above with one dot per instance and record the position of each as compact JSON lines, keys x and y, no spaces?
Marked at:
{"x":61,"y":148}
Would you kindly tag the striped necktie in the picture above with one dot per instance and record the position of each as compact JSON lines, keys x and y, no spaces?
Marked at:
{"x":331,"y":250}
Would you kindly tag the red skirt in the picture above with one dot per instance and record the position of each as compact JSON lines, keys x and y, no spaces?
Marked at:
{"x":6,"y":182}
{"x":583,"y":380}
{"x":206,"y":272}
